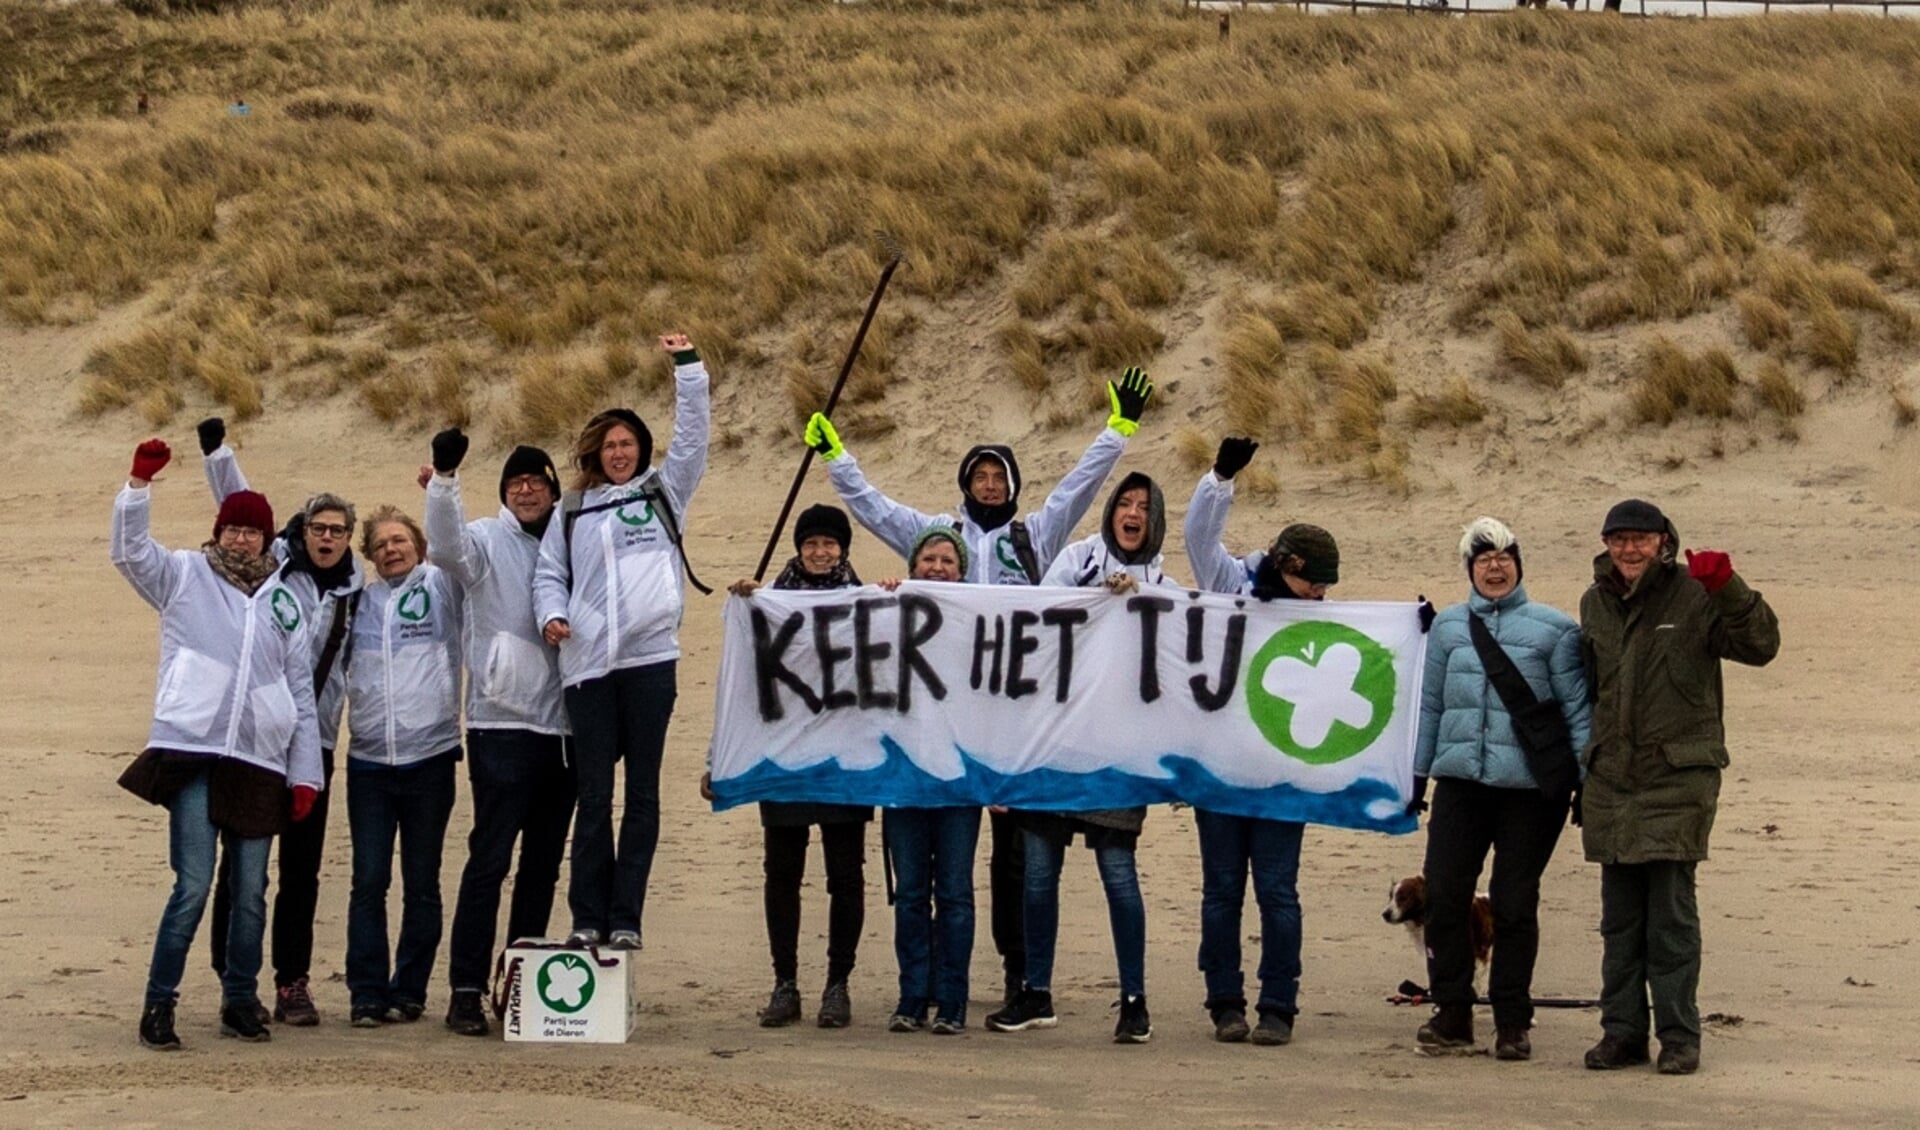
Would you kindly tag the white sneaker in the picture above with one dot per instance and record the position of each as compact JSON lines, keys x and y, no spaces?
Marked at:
{"x":624,"y":940}
{"x":583,"y":937}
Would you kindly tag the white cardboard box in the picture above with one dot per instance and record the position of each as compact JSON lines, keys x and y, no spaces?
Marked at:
{"x":559,"y":995}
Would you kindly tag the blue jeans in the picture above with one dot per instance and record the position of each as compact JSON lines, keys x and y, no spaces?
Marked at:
{"x":415,"y":801}
{"x":1229,"y":846}
{"x":932,"y":851}
{"x":192,"y":842}
{"x":1126,"y":912}
{"x":523,"y":789}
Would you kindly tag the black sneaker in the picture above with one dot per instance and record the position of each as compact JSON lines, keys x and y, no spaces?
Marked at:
{"x":1449,"y":1029}
{"x":405,"y":1012}
{"x":1512,"y":1044}
{"x":466,"y":1013}
{"x":1134,"y":1026}
{"x":783,"y":1008}
{"x":1230,"y":1025}
{"x":906,"y":1022}
{"x":368,"y":1015}
{"x":293,"y":1004}
{"x":156,"y":1027}
{"x":1274,"y":1029}
{"x":1030,"y":1009}
{"x":836,"y":1009}
{"x":242,"y":1022}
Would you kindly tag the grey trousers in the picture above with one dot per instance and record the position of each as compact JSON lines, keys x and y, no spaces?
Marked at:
{"x":1650,"y":927}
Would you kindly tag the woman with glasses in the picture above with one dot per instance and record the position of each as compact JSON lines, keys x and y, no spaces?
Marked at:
{"x":608,"y":592}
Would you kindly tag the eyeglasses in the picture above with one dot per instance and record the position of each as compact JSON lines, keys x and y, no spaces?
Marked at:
{"x":1487,"y":560}
{"x":526,"y":484}
{"x":328,"y":529}
{"x":1631,"y":540}
{"x":244,"y":533}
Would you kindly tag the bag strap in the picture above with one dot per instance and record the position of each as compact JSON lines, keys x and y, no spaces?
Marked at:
{"x":656,"y":495}
{"x":336,"y":635}
{"x":1507,"y":680}
{"x":504,"y":975}
{"x":1023,"y":550}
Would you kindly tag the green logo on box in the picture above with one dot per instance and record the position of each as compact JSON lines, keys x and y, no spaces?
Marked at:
{"x":565,"y":983}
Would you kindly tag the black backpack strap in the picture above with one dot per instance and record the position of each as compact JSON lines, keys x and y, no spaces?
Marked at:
{"x":1023,"y":550}
{"x":346,"y":652}
{"x":336,"y":635}
{"x":656,"y":495}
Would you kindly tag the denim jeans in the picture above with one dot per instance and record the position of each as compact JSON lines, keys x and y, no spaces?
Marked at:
{"x":296,"y":893}
{"x":1229,"y":847}
{"x":621,"y":716}
{"x":523,"y":789}
{"x":932,"y":851}
{"x":1126,"y":912}
{"x":192,"y":843}
{"x":415,"y":801}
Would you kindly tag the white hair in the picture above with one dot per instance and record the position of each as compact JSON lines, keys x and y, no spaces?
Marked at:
{"x":1484,"y":535}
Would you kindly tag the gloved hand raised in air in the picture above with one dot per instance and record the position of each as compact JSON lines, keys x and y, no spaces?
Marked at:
{"x":822,"y":438}
{"x":1712,"y":568}
{"x":213,"y":433}
{"x":1234,"y":455}
{"x":1128,"y":399}
{"x":449,"y":448}
{"x":149,"y":459}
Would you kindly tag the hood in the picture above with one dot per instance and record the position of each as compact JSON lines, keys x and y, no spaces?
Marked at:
{"x":1156,"y":520}
{"x":990,"y":517}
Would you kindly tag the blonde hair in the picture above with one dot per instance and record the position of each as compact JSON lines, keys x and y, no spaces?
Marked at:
{"x":391,"y":514}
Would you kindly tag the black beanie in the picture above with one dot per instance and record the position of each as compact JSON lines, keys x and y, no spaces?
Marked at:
{"x":823,"y":519}
{"x":1319,"y":554}
{"x":1634,"y":514}
{"x":528,"y":461}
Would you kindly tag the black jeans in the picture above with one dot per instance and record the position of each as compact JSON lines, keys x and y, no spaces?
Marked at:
{"x":296,"y":892}
{"x":845,"y":848}
{"x":622,"y":715}
{"x":1521,"y":826}
{"x":1007,"y":887}
{"x":523,"y":788}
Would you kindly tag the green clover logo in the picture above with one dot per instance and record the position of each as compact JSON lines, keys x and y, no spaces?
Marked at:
{"x":1010,"y":561}
{"x":414,"y":605}
{"x":1321,"y":692}
{"x":286,"y":610}
{"x":646,"y":514}
{"x":565,"y":983}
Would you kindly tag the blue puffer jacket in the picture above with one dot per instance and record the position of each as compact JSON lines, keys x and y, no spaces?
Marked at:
{"x":1464,"y":729}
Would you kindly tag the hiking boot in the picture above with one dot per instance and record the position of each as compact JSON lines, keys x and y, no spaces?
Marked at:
{"x":369,"y":1015}
{"x":242,"y":1022}
{"x":1511,"y":1043}
{"x":898,"y":1022}
{"x":1030,"y":1009}
{"x":583,"y":937}
{"x":156,"y":1027}
{"x":293,"y":1004}
{"x":405,"y":1012}
{"x":836,"y":1009}
{"x":1011,"y":990}
{"x":1450,"y":1028}
{"x":624,"y":940}
{"x":1230,"y":1024}
{"x":1275,"y":1028}
{"x":783,"y":1007}
{"x":261,"y":1013}
{"x":467,"y":1013}
{"x":1134,"y":1025}
{"x":1615,"y":1052}
{"x":947,"y":1026}
{"x":1677,"y":1059}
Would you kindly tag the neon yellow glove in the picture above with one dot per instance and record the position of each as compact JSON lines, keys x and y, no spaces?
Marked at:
{"x":823,"y":439}
{"x":1128,"y":399}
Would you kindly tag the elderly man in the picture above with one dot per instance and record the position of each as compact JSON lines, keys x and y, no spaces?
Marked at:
{"x":1655,"y":634}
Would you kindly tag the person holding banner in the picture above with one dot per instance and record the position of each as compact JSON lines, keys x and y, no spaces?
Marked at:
{"x":1655,"y":635}
{"x":523,"y":784}
{"x":1302,"y":563}
{"x":1002,"y":548}
{"x":1493,"y":663}
{"x":932,"y":852}
{"x":821,"y":535}
{"x":608,"y":592}
{"x":233,"y":731}
{"x":1123,"y":556}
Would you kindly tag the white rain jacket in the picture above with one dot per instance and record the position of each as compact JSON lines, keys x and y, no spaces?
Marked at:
{"x":620,"y":585}
{"x":1214,"y":569}
{"x":990,"y":555}
{"x":235,"y":678}
{"x":317,"y":608}
{"x":403,"y":687}
{"x":1087,"y":564}
{"x":513,"y":677}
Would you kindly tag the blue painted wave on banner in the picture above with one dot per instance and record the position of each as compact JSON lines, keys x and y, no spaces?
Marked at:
{"x":898,"y":782}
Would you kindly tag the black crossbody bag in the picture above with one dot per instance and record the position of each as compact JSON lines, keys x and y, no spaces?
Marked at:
{"x":1539,"y":726}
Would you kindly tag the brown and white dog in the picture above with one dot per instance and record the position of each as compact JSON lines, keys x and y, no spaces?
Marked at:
{"x":1407,"y":906}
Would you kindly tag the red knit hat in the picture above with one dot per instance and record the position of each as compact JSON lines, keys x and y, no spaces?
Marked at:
{"x":247,"y":508}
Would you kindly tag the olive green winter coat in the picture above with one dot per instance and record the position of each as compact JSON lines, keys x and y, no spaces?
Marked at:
{"x":1658,"y":745}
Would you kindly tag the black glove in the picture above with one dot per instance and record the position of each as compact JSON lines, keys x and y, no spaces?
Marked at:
{"x":1575,"y":816}
{"x":1419,"y":802}
{"x":449,"y":448}
{"x":1233,"y":456}
{"x":1426,"y":615}
{"x":213,"y":433}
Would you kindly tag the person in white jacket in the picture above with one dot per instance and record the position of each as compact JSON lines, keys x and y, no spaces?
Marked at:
{"x":322,"y":573}
{"x":403,"y":727}
{"x":233,"y":731}
{"x":608,"y":592}
{"x":1001,"y":550}
{"x":523,"y":785}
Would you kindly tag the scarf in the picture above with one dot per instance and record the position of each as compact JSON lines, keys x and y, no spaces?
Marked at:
{"x":246,"y":572}
{"x":795,"y":576}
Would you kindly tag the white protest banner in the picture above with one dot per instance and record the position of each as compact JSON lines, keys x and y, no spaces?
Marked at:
{"x":1070,"y":700}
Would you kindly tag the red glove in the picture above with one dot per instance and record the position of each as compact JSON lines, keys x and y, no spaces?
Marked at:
{"x":149,"y":459}
{"x":303,"y":798}
{"x":1712,"y":568}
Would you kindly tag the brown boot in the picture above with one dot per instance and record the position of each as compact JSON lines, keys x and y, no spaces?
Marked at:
{"x":1449,"y":1029}
{"x":1678,"y":1058}
{"x":1615,"y":1052}
{"x":1512,"y":1043}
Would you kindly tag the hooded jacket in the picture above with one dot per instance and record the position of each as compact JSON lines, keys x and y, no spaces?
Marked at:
{"x":235,"y":678}
{"x":1465,"y":732}
{"x":990,"y":552}
{"x":513,"y":677}
{"x":1088,"y":562}
{"x":317,"y":608}
{"x":403,"y":688}
{"x":619,"y":583}
{"x":1214,"y":569}
{"x":1658,"y":741}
